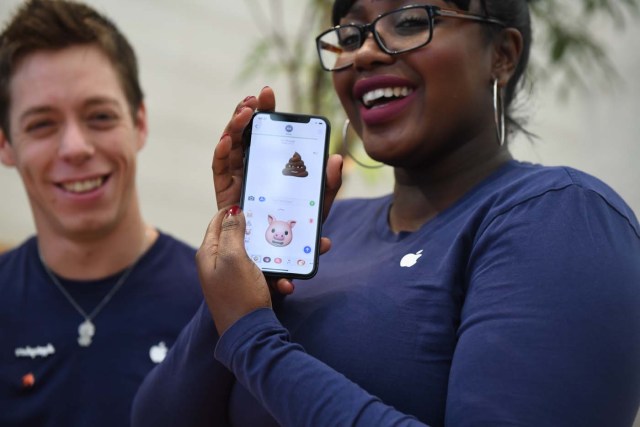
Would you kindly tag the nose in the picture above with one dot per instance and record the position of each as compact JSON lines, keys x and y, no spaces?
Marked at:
{"x":75,"y":145}
{"x":370,"y":54}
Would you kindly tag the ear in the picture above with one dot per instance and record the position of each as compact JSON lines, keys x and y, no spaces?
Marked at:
{"x":508,"y":47}
{"x":7,"y":154}
{"x":292,"y":223}
{"x":270,"y":219}
{"x":141,"y":125}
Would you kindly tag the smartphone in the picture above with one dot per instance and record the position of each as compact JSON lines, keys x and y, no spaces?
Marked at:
{"x":283,"y":191}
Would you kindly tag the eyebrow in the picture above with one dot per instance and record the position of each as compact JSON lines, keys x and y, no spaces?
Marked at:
{"x":357,"y":9}
{"x":100,"y":100}
{"x":33,"y":111}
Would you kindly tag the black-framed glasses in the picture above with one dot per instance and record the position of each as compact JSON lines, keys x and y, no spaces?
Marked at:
{"x":397,"y":31}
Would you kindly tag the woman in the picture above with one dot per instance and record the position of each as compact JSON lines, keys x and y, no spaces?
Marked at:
{"x":483,"y":291}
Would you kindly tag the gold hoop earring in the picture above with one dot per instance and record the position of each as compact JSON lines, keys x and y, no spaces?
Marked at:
{"x":498,"y":112}
{"x":345,"y":147}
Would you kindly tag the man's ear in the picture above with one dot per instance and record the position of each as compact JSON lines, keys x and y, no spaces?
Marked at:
{"x":7,"y":154}
{"x":141,"y":125}
{"x":508,"y":47}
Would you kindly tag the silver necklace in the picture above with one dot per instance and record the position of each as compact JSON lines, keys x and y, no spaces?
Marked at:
{"x":86,"y":329}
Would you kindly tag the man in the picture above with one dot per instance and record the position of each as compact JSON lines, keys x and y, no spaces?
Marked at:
{"x":92,"y":302}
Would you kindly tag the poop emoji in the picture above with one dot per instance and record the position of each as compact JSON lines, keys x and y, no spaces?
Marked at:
{"x":295,"y":167}
{"x":279,"y":233}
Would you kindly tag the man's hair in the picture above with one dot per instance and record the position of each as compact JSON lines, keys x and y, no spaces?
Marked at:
{"x":57,"y":24}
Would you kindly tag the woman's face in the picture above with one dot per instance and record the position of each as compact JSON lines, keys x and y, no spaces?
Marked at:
{"x":445,"y":89}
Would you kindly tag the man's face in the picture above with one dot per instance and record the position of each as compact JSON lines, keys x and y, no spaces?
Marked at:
{"x":73,"y":141}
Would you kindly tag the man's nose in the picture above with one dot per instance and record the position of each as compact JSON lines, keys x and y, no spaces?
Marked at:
{"x":75,"y":144}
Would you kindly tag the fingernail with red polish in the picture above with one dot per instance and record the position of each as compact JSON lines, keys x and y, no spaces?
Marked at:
{"x":234,"y":210}
{"x":223,"y":135}
{"x":248,"y":98}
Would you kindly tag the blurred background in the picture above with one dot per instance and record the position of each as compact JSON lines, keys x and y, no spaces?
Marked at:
{"x":199,"y":58}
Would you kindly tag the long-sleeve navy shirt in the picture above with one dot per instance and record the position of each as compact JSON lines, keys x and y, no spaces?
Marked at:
{"x":519,"y":305}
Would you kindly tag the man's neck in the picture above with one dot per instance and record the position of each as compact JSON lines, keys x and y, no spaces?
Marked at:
{"x":99,"y":256}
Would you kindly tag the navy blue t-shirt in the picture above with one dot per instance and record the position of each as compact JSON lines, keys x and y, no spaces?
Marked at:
{"x":517,"y":305}
{"x":92,"y":386}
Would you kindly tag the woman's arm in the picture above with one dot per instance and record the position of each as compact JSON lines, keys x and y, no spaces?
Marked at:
{"x":550,"y":328}
{"x":190,"y":387}
{"x":549,"y":335}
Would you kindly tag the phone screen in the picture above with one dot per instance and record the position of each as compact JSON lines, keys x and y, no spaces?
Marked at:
{"x":283,"y":192}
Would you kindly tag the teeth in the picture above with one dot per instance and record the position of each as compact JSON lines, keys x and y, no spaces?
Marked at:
{"x":390,"y":92}
{"x":83,"y":186}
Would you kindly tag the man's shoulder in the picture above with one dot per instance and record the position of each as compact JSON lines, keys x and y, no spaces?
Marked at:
{"x":172,"y":249}
{"x":18,"y":255}
{"x":170,"y":260}
{"x":173,"y":243}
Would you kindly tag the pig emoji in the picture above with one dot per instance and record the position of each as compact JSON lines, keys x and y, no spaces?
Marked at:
{"x":279,"y":232}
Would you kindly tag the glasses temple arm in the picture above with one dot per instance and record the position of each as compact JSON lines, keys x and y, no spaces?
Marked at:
{"x":461,"y":15}
{"x":329,"y":47}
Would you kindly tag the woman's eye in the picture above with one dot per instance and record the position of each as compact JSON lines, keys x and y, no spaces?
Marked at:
{"x":412,"y":25}
{"x":349,"y":40}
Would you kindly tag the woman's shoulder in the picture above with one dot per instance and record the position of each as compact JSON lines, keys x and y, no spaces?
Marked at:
{"x":521,"y":184}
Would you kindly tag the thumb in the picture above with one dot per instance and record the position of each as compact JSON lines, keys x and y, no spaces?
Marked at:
{"x":232,"y":232}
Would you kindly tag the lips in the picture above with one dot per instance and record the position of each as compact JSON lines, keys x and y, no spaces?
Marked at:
{"x":369,"y":99}
{"x":381,"y":89}
{"x":383,"y":98}
{"x":83,"y":186}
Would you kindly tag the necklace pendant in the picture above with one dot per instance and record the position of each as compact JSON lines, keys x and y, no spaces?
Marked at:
{"x":86,"y":331}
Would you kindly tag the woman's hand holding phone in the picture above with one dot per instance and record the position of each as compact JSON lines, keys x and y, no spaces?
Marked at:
{"x":232,"y":284}
{"x":228,"y":169}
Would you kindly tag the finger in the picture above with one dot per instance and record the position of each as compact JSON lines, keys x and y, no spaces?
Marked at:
{"x":249,"y":102}
{"x":228,"y":159}
{"x":285,"y":287}
{"x":232,"y":229}
{"x":239,"y":119}
{"x":223,"y":178}
{"x":266,"y":99}
{"x":333,"y":182}
{"x":238,"y":122}
{"x":325,"y":245}
{"x":208,"y":252}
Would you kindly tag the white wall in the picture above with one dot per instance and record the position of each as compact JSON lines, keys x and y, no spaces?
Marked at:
{"x":191,"y":52}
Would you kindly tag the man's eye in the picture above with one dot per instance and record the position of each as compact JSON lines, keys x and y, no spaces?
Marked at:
{"x":101,"y":119}
{"x":39,"y":125}
{"x":102,"y":116}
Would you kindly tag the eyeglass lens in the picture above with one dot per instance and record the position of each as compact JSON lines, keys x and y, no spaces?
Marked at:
{"x":397,"y":31}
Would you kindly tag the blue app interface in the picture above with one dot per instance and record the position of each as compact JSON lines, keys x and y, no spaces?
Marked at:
{"x":282,"y":190}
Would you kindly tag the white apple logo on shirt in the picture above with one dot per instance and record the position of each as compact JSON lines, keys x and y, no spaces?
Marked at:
{"x":158,"y":352}
{"x":409,"y":260}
